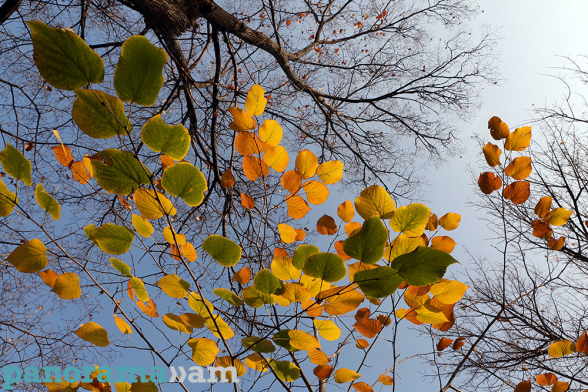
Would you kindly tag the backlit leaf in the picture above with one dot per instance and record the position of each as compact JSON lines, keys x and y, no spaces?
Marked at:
{"x":519,"y":169}
{"x":271,"y":132}
{"x":185,"y":181}
{"x":368,"y":327}
{"x":374,"y":200}
{"x":172,"y":237}
{"x":64,"y":60}
{"x":327,"y":329}
{"x":306,"y":164}
{"x":301,"y":254}
{"x":345,"y":375}
{"x":255,"y":298}
{"x":113,"y":239}
{"x":120,"y":173}
{"x":49,"y":277}
{"x":16,"y":165}
{"x":297,"y":207}
{"x":316,"y":192}
{"x":79,"y":171}
{"x":560,"y":386}
{"x":340,"y":300}
{"x":67,"y":286}
{"x":7,"y":200}
{"x":318,"y":357}
{"x":330,"y":172}
{"x":142,"y":226}
{"x":302,"y":340}
{"x":492,"y":154}
{"x":326,"y":225}
{"x":139,"y":289}
{"x":402,"y":245}
{"x":291,"y":181}
{"x":423,"y":266}
{"x":296,"y":292}
{"x":450,"y":221}
{"x":546,"y":379}
{"x":369,"y":243}
{"x":224,"y":251}
{"x":138,"y":74}
{"x":29,"y":257}
{"x":518,"y":192}
{"x":258,"y":345}
{"x":247,"y":143}
{"x":203,"y":307}
{"x":219,"y":327}
{"x":228,"y":296}
{"x":193,"y":320}
{"x":243,"y":276}
{"x":100,"y":115}
{"x":379,"y":282}
{"x":150,"y":309}
{"x":122,"y":325}
{"x":173,"y":141}
{"x":433,"y":223}
{"x":287,"y":233}
{"x":93,"y":333}
{"x":174,"y":322}
{"x":152,"y":204}
{"x":326,"y":266}
{"x":255,"y":101}
{"x":242,"y":121}
{"x":448,"y":292}
{"x":283,"y":268}
{"x":489,"y":182}
{"x":410,"y":220}
{"x":559,"y":216}
{"x":174,"y":286}
{"x":556,"y":244}
{"x":519,"y":139}
{"x":254,"y":168}
{"x":247,"y":201}
{"x":444,"y":243}
{"x":256,"y":362}
{"x":322,"y":372}
{"x":498,"y":129}
{"x":204,"y":351}
{"x":277,"y":158}
{"x":561,"y":348}
{"x":385,"y":379}
{"x":227,"y":179}
{"x":63,"y":155}
{"x":444,"y":343}
{"x":543,"y":206}
{"x":267,"y":283}
{"x":47,"y":202}
{"x":345,"y":211}
{"x":285,"y":370}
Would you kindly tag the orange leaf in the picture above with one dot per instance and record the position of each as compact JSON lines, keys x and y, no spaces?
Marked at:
{"x":362,"y":343}
{"x":433,"y":223}
{"x":524,"y":386}
{"x":340,"y":251}
{"x":351,"y":227}
{"x":444,"y":243}
{"x":518,"y":192}
{"x":241,"y":120}
{"x":300,"y":234}
{"x":582,"y":344}
{"x":323,"y":371}
{"x":297,"y":207}
{"x":277,"y":158}
{"x":556,"y":244}
{"x":492,"y":154}
{"x":546,"y":379}
{"x":291,"y":181}
{"x":280,"y":252}
{"x":543,"y":206}
{"x":489,"y":182}
{"x":306,"y":164}
{"x":368,"y":327}
{"x":189,"y":252}
{"x":130,"y":291}
{"x":362,"y":314}
{"x":345,"y":211}
{"x":79,"y":172}
{"x":227,"y":179}
{"x":384,"y":320}
{"x":459,"y":342}
{"x":541,"y":229}
{"x":287,"y":233}
{"x":519,"y":169}
{"x":247,"y":143}
{"x":385,"y":379}
{"x":49,"y":277}
{"x":149,"y":308}
{"x":166,"y":161}
{"x":519,"y":139}
{"x":444,"y":343}
{"x":175,"y":252}
{"x":362,"y":387}
{"x":311,"y":308}
{"x":316,"y":192}
{"x":498,"y":129}
{"x":247,"y":201}
{"x":318,"y":357}
{"x":560,"y":386}
{"x":254,"y":168}
{"x":242,"y":276}
{"x":450,"y":221}
{"x":63,"y":155}
{"x":326,"y":225}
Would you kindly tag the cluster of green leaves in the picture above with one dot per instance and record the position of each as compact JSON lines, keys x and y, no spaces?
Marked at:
{"x":390,"y":248}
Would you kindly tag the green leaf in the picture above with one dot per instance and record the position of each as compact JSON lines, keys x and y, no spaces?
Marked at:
{"x":143,"y":227}
{"x":185,"y":181}
{"x":258,"y":345}
{"x":153,"y":204}
{"x":64,"y":60}
{"x":222,"y":250}
{"x":282,"y":339}
{"x":113,"y":239}
{"x":411,"y":220}
{"x":139,"y":289}
{"x":93,"y":333}
{"x":173,"y":141}
{"x":228,"y":296}
{"x":138,"y":74}
{"x":67,"y":286}
{"x":47,"y":202}
{"x":120,"y":172}
{"x":301,"y":254}
{"x":29,"y":257}
{"x":378,"y":282}
{"x":369,"y":243}
{"x":255,"y":298}
{"x":265,"y":282}
{"x":326,"y":266}
{"x":423,"y":266}
{"x":100,"y":115}
{"x":121,"y":267}
{"x":7,"y":200}
{"x":174,"y":286}
{"x":285,"y":370}
{"x":88,"y":230}
{"x":16,"y":165}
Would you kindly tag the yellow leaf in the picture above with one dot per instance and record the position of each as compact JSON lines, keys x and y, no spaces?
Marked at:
{"x":49,"y":277}
{"x":402,"y":245}
{"x":93,"y":333}
{"x":561,"y":348}
{"x":277,"y":158}
{"x":142,"y":226}
{"x":374,"y":200}
{"x":287,"y":233}
{"x":219,"y":327}
{"x":340,"y":300}
{"x":433,"y":223}
{"x":189,"y":252}
{"x":153,"y":204}
{"x":295,"y":292}
{"x":314,"y":285}
{"x":176,"y":323}
{"x":411,"y":220}
{"x":174,"y":286}
{"x":428,"y":314}
{"x":291,"y":181}
{"x":302,"y":340}
{"x":448,"y":292}
{"x":318,"y":357}
{"x":330,"y":172}
{"x":247,"y":201}
{"x":306,"y":164}
{"x":492,"y":154}
{"x":345,"y":211}
{"x":518,"y":192}
{"x":283,"y":268}
{"x":255,"y":101}
{"x":450,"y":221}
{"x":29,"y":257}
{"x":345,"y":375}
{"x":271,"y":132}
{"x":204,"y":351}
{"x":67,"y":286}
{"x":172,"y":237}
{"x":254,"y":168}
{"x":242,"y":121}
{"x":520,"y":168}
{"x":327,"y":329}
{"x":256,"y":362}
{"x":444,"y":243}
{"x":558,"y":217}
{"x":543,"y":206}
{"x":519,"y":139}
{"x":414,"y":300}
{"x":498,"y":129}
{"x":122,"y":325}
{"x":316,"y":192}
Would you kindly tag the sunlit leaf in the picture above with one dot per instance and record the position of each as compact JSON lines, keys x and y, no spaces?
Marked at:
{"x":138,"y":74}
{"x":541,"y":229}
{"x":29,"y":257}
{"x":219,"y":327}
{"x":560,"y":386}
{"x":254,"y":168}
{"x":318,"y":357}
{"x":444,"y":343}
{"x":368,"y":327}
{"x":173,"y":141}
{"x":543,"y":206}
{"x":546,"y":379}
{"x":255,"y":298}
{"x":402,"y":245}
{"x":256,"y":362}
{"x":271,"y":132}
{"x":224,"y":251}
{"x":16,"y":165}
{"x":519,"y":169}
{"x":203,"y":307}
{"x":79,"y":171}
{"x":267,"y":283}
{"x":255,"y":101}
{"x":63,"y":155}
{"x":330,"y":172}
{"x":297,"y":207}
{"x":444,"y":243}
{"x":450,"y":221}
{"x":122,"y":325}
{"x":322,"y":372}
{"x":561,"y":348}
{"x":174,"y":286}
{"x":283,"y":268}
{"x":204,"y":351}
{"x":287,"y":233}
{"x":374,"y":200}
{"x":519,"y":139}
{"x":492,"y":154}
{"x":64,"y":60}
{"x":150,"y":309}
{"x":489,"y":182}
{"x":301,"y":254}
{"x":498,"y":129}
{"x":296,"y":292}
{"x":153,"y":204}
{"x":518,"y":192}
{"x":340,"y":300}
{"x":291,"y":181}
{"x":410,"y":220}
{"x":242,"y":121}
{"x":369,"y":243}
{"x":247,"y":143}
{"x":556,"y":244}
{"x":185,"y":181}
{"x":139,"y":289}
{"x":385,"y":379}
{"x":302,"y":340}
{"x":558,"y":217}
{"x":93,"y":333}
{"x":113,"y":239}
{"x":326,"y":225}
{"x":49,"y":277}
{"x":327,"y":329}
{"x":345,"y":375}
{"x":142,"y":226}
{"x":277,"y":158}
{"x":47,"y":202}
{"x":67,"y":286}
{"x":172,"y":237}
{"x":243,"y":276}
{"x":227,"y":179}
{"x":247,"y":201}
{"x":306,"y":164}
{"x":120,"y":173}
{"x":175,"y":322}
{"x":193,"y":320}
{"x":8,"y":200}
{"x":448,"y":292}
{"x":316,"y":192}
